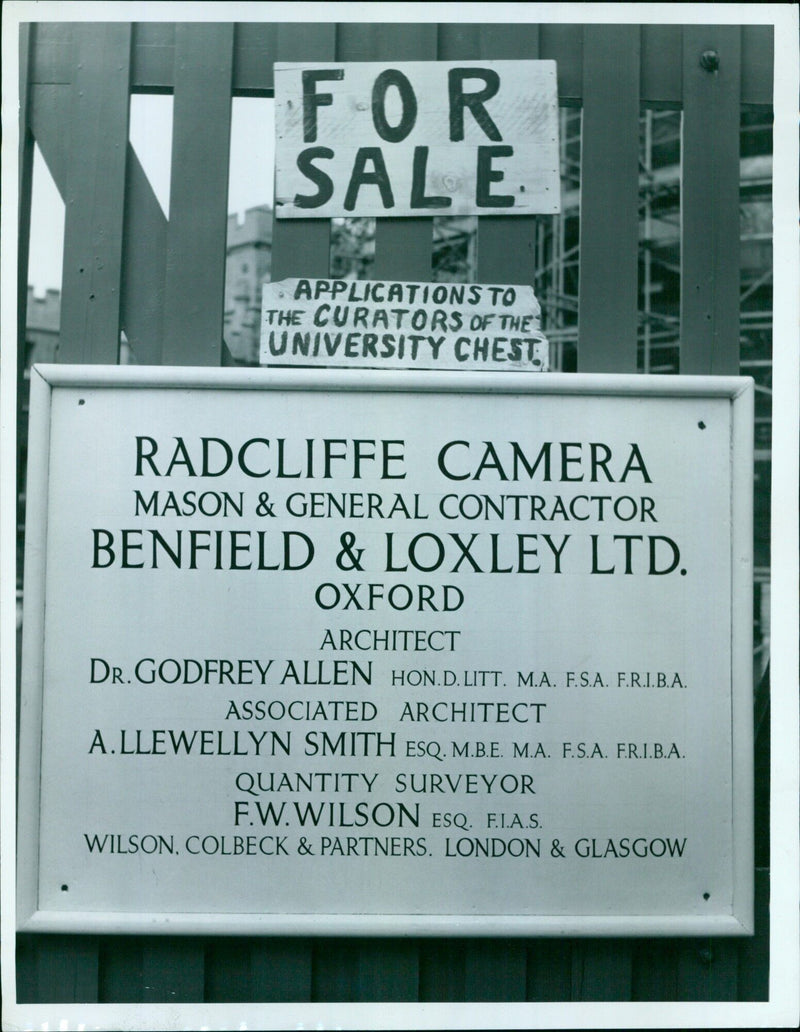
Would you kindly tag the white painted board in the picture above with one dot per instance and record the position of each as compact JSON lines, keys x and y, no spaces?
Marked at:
{"x":379,"y":325}
{"x":372,"y":652}
{"x":416,"y":138}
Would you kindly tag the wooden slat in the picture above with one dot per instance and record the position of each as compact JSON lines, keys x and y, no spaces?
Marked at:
{"x":609,"y":222}
{"x":459,"y":42}
{"x":758,"y":57}
{"x":66,"y":969}
{"x":227,"y":971}
{"x":655,"y":970}
{"x":514,"y":42}
{"x":53,"y":57}
{"x":301,"y":247}
{"x":388,"y":970}
{"x":564,"y":45}
{"x":505,"y":243}
{"x":661,"y":66}
{"x":27,"y":38}
{"x":173,"y":970}
{"x":144,"y":264}
{"x":280,"y":970}
{"x":495,"y":970}
{"x":26,"y":950}
{"x":120,"y":970}
{"x":254,"y":50}
{"x":95,"y":192}
{"x":334,"y":971}
{"x":198,"y":219}
{"x":442,"y":971}
{"x":710,"y":203}
{"x":707,"y":970}
{"x":602,"y":970}
{"x":549,"y":976}
{"x":403,"y":249}
{"x":144,"y":232}
{"x":753,"y":983}
{"x":49,"y":113}
{"x":153,"y":57}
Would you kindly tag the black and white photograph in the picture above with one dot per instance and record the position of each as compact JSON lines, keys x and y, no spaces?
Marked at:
{"x":399,"y":539}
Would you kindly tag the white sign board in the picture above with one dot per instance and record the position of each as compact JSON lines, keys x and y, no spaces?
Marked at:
{"x":373,"y":324}
{"x":372,"y":652}
{"x":416,"y":138}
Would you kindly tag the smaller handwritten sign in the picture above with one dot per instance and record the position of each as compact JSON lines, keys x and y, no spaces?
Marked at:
{"x":380,"y":325}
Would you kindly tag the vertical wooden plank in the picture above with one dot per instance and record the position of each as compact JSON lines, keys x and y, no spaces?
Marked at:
{"x":495,"y":970}
{"x":334,"y":971}
{"x":198,"y":219}
{"x":601,"y":970}
{"x":66,"y":969}
{"x":758,"y":56}
{"x":173,"y":970}
{"x":280,"y":970}
{"x":26,"y":968}
{"x":120,"y":971}
{"x":564,"y":45}
{"x":708,"y":970}
{"x":254,"y":48}
{"x":506,"y":243}
{"x":710,"y":200}
{"x":549,"y":975}
{"x":459,"y":41}
{"x":25,"y":171}
{"x":388,"y":970}
{"x":655,"y":970}
{"x":754,"y":952}
{"x":143,"y":267}
{"x":609,"y":227}
{"x":49,"y":113}
{"x":442,"y":964}
{"x":53,"y":56}
{"x":153,"y":57}
{"x":301,"y":247}
{"x":661,"y":65}
{"x":95,"y":191}
{"x":403,"y":247}
{"x":227,"y":971}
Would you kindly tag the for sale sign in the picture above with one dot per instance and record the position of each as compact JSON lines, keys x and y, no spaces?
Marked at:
{"x":416,"y":138}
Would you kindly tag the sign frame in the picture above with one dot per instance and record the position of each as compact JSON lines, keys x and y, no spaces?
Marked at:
{"x":47,"y":379}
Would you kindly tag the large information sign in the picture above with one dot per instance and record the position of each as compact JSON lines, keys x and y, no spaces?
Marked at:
{"x":374,"y":653}
{"x":416,"y":138}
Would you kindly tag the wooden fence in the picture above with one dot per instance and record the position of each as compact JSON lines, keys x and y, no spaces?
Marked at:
{"x":127,"y":268}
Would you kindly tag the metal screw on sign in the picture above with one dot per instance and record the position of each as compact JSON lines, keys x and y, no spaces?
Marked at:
{"x":709,"y":60}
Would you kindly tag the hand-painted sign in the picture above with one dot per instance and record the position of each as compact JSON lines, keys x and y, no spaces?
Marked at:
{"x":374,"y":324}
{"x":416,"y":138}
